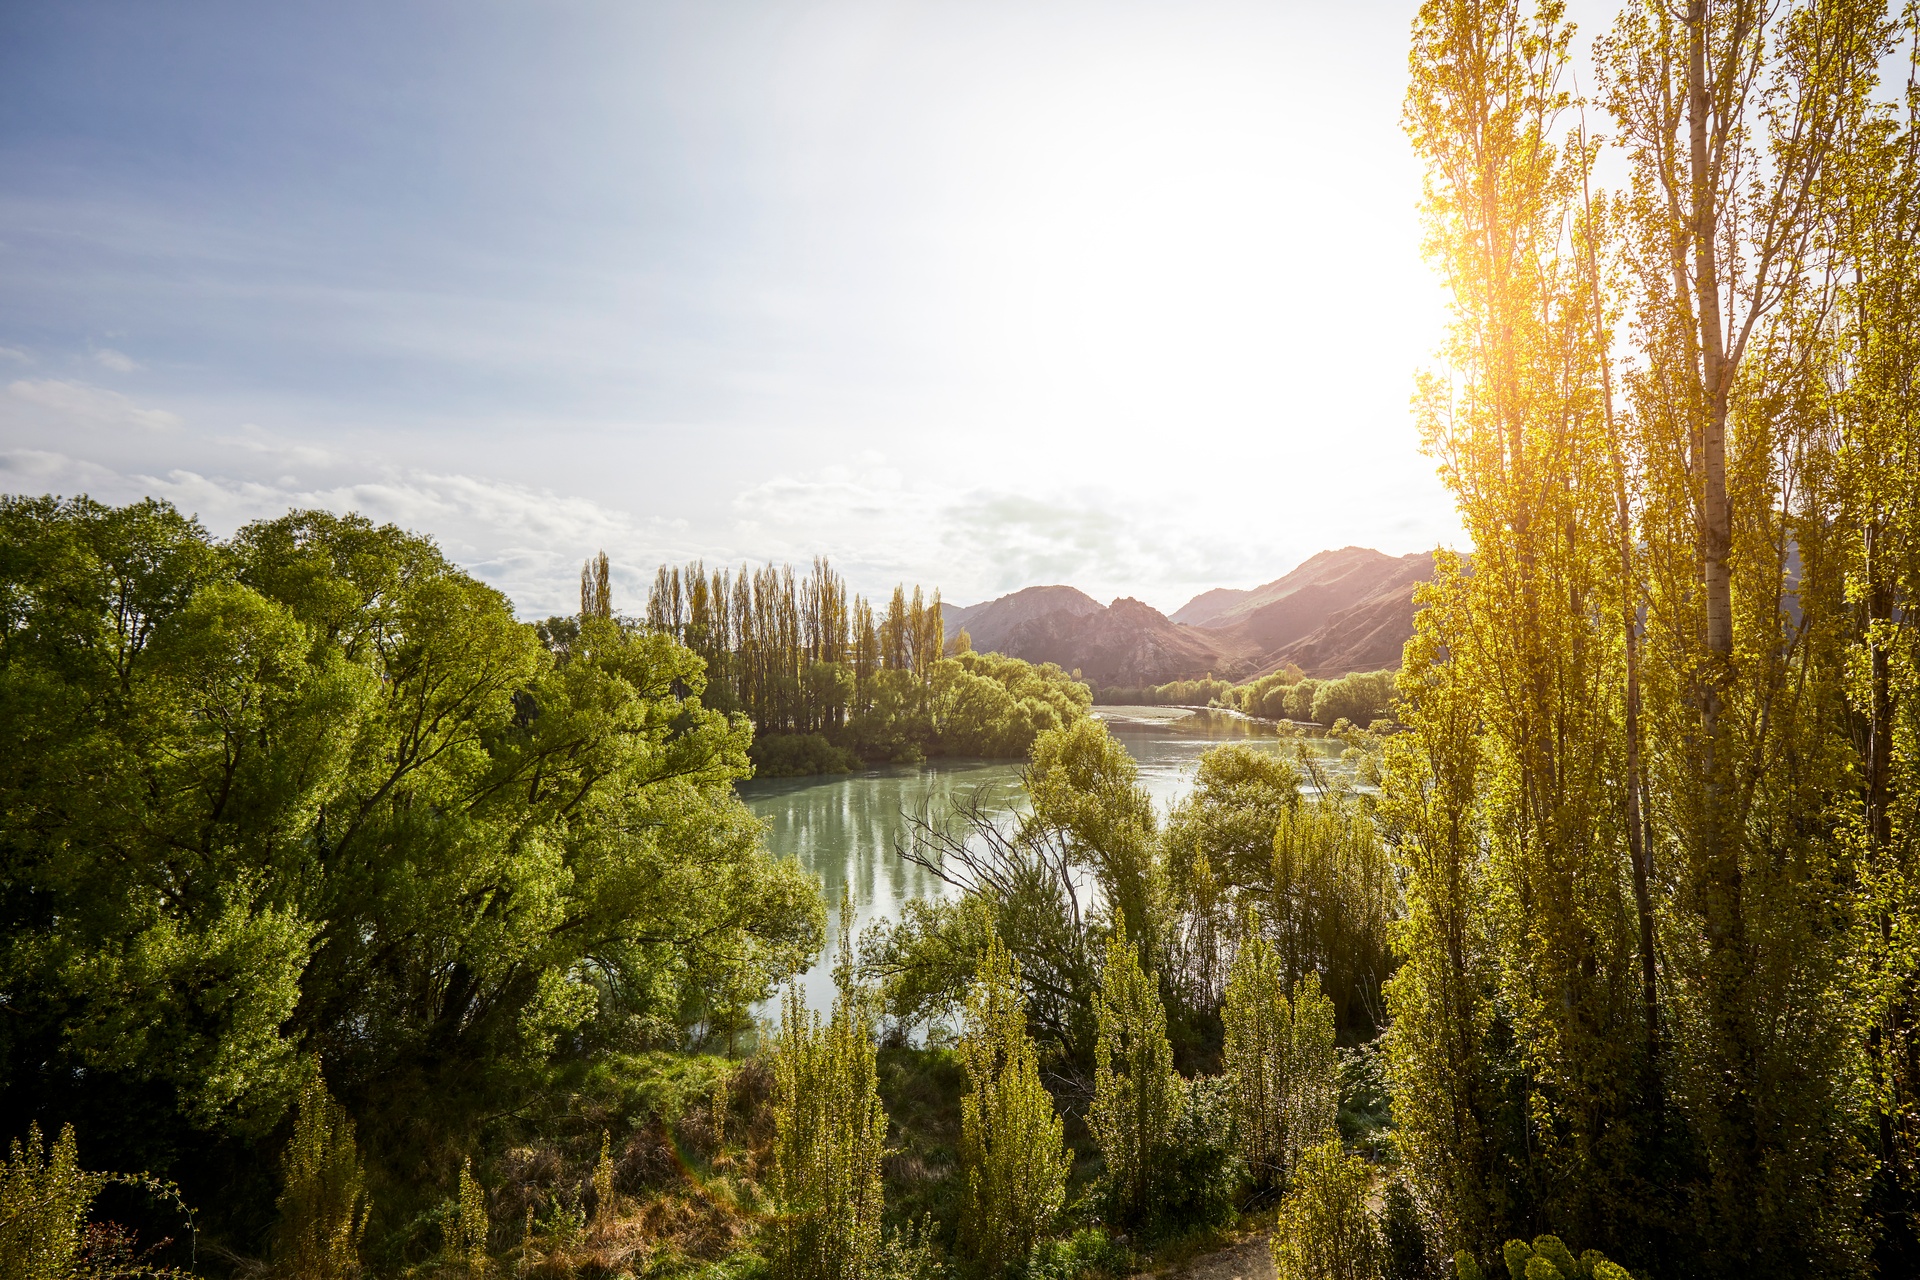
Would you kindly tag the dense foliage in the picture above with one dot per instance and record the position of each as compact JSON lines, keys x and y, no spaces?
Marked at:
{"x":829,"y":1135}
{"x":315,"y":791}
{"x":1655,"y":816}
{"x":1359,"y":698}
{"x":827,"y":681}
{"x":1279,"y":1059}
{"x":1013,"y":1162}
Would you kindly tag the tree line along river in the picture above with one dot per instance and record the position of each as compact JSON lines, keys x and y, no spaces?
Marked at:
{"x":847,"y":829}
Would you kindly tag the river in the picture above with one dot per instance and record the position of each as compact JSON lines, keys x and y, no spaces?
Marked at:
{"x":846,"y":828}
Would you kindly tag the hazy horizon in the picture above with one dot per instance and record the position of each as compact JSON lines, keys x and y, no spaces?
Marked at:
{"x":1121,"y":296}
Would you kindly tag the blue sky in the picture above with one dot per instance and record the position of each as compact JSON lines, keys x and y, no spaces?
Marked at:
{"x":973,"y":294}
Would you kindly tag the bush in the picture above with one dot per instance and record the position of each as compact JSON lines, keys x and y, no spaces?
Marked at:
{"x":44,"y":1198}
{"x":796,"y":755}
{"x":1403,"y":1237}
{"x":1013,"y":1164}
{"x":1280,"y":1063}
{"x":1548,"y":1258}
{"x":1084,"y":1255}
{"x":1325,"y":1230}
{"x":467,"y":1229}
{"x":829,"y":1135}
{"x":1137,"y":1096}
{"x":1201,"y":1169}
{"x":323,"y":1209}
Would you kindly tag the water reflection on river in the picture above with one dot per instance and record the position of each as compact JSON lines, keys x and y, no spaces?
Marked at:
{"x":847,"y":829}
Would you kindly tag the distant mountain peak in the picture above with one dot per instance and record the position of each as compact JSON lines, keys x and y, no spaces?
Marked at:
{"x":1345,"y":609}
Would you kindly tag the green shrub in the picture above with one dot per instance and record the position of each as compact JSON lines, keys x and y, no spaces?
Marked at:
{"x":1087,"y":1253}
{"x":1403,"y":1238}
{"x":829,"y":1136}
{"x":1325,"y":1231}
{"x":323,"y":1209}
{"x":798,"y":755}
{"x":467,"y":1231}
{"x":1281,"y":1064}
{"x":1137,"y":1096}
{"x":44,"y":1198}
{"x":1013,"y":1163}
{"x":1548,"y":1258}
{"x":1201,"y":1170}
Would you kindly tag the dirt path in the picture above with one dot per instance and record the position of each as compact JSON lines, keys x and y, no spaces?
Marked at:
{"x":1246,"y":1260}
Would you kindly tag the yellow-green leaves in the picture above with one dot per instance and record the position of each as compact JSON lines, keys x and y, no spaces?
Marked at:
{"x":1013,"y":1162}
{"x":1280,"y":1063}
{"x":1137,"y":1096}
{"x":323,"y":1210}
{"x":1325,"y":1230}
{"x":829,"y":1136}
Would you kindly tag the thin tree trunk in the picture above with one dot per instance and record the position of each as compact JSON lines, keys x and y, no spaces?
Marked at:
{"x":1723,"y":906}
{"x":1637,"y":845}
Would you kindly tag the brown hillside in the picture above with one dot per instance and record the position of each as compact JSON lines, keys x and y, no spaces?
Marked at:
{"x":1341,"y":611}
{"x":1367,"y":637}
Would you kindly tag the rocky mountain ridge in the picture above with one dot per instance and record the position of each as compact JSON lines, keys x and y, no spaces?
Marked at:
{"x":1342,"y":610}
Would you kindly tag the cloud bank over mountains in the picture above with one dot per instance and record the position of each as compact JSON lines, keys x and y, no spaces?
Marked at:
{"x":880,"y":524}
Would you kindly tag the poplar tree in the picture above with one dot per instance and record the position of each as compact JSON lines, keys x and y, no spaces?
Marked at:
{"x":1013,"y":1162}
{"x":1624,"y":815}
{"x":1875,"y":542}
{"x":1281,"y":1065}
{"x":1137,"y":1095}
{"x":1737,"y":118}
{"x":596,"y":590}
{"x":829,"y":1134}
{"x":323,"y":1209}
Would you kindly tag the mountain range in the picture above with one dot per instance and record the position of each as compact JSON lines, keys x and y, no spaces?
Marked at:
{"x":1341,"y":611}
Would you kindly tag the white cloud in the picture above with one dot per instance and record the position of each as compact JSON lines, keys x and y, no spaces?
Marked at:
{"x":15,"y":354}
{"x":41,"y":471}
{"x":118,"y":361}
{"x":75,"y":404}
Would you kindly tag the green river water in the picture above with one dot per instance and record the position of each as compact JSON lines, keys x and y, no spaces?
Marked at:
{"x":846,"y":828}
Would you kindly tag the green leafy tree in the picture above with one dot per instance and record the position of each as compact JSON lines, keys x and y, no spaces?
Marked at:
{"x":1013,"y":1162}
{"x":1280,"y":1063}
{"x":1137,"y":1095}
{"x":316,"y":790}
{"x":829,"y":1136}
{"x":1086,"y":794}
{"x":323,"y":1207}
{"x":1325,"y":1229}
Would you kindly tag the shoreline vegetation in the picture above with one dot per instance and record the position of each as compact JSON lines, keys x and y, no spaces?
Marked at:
{"x":408,"y":939}
{"x":830,"y":683}
{"x":404,"y":940}
{"x":1360,"y":698}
